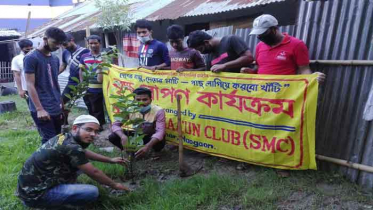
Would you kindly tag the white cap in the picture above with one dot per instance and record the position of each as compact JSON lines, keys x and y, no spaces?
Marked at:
{"x":85,"y":119}
{"x":263,"y":23}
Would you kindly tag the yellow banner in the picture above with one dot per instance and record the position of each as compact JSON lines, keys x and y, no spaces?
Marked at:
{"x":266,"y":120}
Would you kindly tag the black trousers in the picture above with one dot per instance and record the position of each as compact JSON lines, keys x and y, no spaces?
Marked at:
{"x":115,"y":139}
{"x":95,"y":105}
{"x":47,"y":128}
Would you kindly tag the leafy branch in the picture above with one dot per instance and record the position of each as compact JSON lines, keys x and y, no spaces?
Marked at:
{"x":126,"y":106}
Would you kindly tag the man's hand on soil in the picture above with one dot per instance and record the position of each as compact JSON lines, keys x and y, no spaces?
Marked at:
{"x":119,"y":160}
{"x":142,"y":151}
{"x":119,"y":186}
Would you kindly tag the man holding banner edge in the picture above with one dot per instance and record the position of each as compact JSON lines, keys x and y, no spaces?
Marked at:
{"x":279,"y":54}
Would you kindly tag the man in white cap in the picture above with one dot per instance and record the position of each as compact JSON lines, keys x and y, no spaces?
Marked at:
{"x":48,"y":177}
{"x":278,"y":53}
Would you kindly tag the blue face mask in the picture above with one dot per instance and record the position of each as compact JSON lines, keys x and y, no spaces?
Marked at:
{"x":145,"y":109}
{"x":144,"y":39}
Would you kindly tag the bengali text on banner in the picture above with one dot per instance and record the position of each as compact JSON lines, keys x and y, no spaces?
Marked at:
{"x":266,"y":120}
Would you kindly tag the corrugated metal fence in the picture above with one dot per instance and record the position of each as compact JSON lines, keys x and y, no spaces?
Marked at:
{"x":341,"y":30}
{"x":337,"y":30}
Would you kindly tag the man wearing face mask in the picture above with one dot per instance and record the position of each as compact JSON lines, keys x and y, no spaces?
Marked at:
{"x":41,"y":73}
{"x":278,"y":53}
{"x":48,"y":177}
{"x":17,"y":68}
{"x":226,"y":54}
{"x":154,"y":126}
{"x":153,"y":54}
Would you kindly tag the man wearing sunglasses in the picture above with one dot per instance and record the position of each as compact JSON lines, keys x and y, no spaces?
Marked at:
{"x":154,"y":126}
{"x":48,"y":178}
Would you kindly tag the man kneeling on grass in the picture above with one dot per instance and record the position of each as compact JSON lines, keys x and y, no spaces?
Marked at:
{"x":153,"y":127}
{"x":48,"y":177}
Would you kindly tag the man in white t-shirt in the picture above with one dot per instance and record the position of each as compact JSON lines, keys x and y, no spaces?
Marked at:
{"x":17,"y":67}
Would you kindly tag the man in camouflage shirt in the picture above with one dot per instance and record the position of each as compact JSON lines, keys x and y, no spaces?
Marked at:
{"x":48,"y":177}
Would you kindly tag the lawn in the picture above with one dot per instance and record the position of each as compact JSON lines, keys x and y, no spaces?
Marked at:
{"x":218,"y":186}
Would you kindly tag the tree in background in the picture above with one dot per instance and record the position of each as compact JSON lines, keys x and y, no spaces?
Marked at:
{"x":114,"y":16}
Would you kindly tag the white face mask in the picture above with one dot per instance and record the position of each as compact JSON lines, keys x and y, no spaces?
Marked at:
{"x":144,"y":39}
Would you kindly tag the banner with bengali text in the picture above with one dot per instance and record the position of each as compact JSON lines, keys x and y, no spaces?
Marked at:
{"x":266,"y":120}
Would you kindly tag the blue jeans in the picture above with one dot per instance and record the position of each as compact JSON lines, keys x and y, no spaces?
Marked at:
{"x":66,"y":194}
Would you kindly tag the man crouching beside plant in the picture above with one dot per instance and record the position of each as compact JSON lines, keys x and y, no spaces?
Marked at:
{"x":153,"y":127}
{"x":48,"y":177}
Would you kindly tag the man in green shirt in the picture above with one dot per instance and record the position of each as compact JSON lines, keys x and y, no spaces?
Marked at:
{"x":48,"y":177}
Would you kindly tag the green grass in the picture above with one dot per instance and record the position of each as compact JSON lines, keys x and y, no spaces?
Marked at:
{"x":219,"y":186}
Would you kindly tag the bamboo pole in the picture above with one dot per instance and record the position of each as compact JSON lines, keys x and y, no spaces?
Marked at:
{"x":184,"y":169}
{"x":357,"y":166}
{"x":344,"y":62}
{"x":180,"y":134}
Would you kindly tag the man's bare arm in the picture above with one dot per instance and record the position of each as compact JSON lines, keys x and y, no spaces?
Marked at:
{"x":100,"y":177}
{"x":17,"y":78}
{"x":41,"y":113}
{"x":62,"y":68}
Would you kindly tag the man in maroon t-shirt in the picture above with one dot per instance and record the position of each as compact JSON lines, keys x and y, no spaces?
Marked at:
{"x":278,"y":53}
{"x":183,"y":58}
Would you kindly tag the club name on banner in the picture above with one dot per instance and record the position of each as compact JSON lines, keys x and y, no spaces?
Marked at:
{"x":266,"y":120}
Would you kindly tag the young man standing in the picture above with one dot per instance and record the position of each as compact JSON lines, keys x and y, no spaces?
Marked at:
{"x":154,"y":126}
{"x":41,"y":73}
{"x":183,"y":58}
{"x":48,"y":177}
{"x":226,"y":54}
{"x":153,"y":54}
{"x":94,"y":99}
{"x":71,"y":55}
{"x":279,"y":54}
{"x":17,"y":67}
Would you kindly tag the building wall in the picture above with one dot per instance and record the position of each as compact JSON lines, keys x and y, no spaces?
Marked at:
{"x":14,"y":13}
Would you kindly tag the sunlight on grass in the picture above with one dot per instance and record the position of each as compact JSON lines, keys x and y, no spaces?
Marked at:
{"x":256,"y":188}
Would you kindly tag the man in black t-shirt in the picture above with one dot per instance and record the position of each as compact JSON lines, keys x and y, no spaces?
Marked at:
{"x":48,"y":177}
{"x":227,"y":54}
